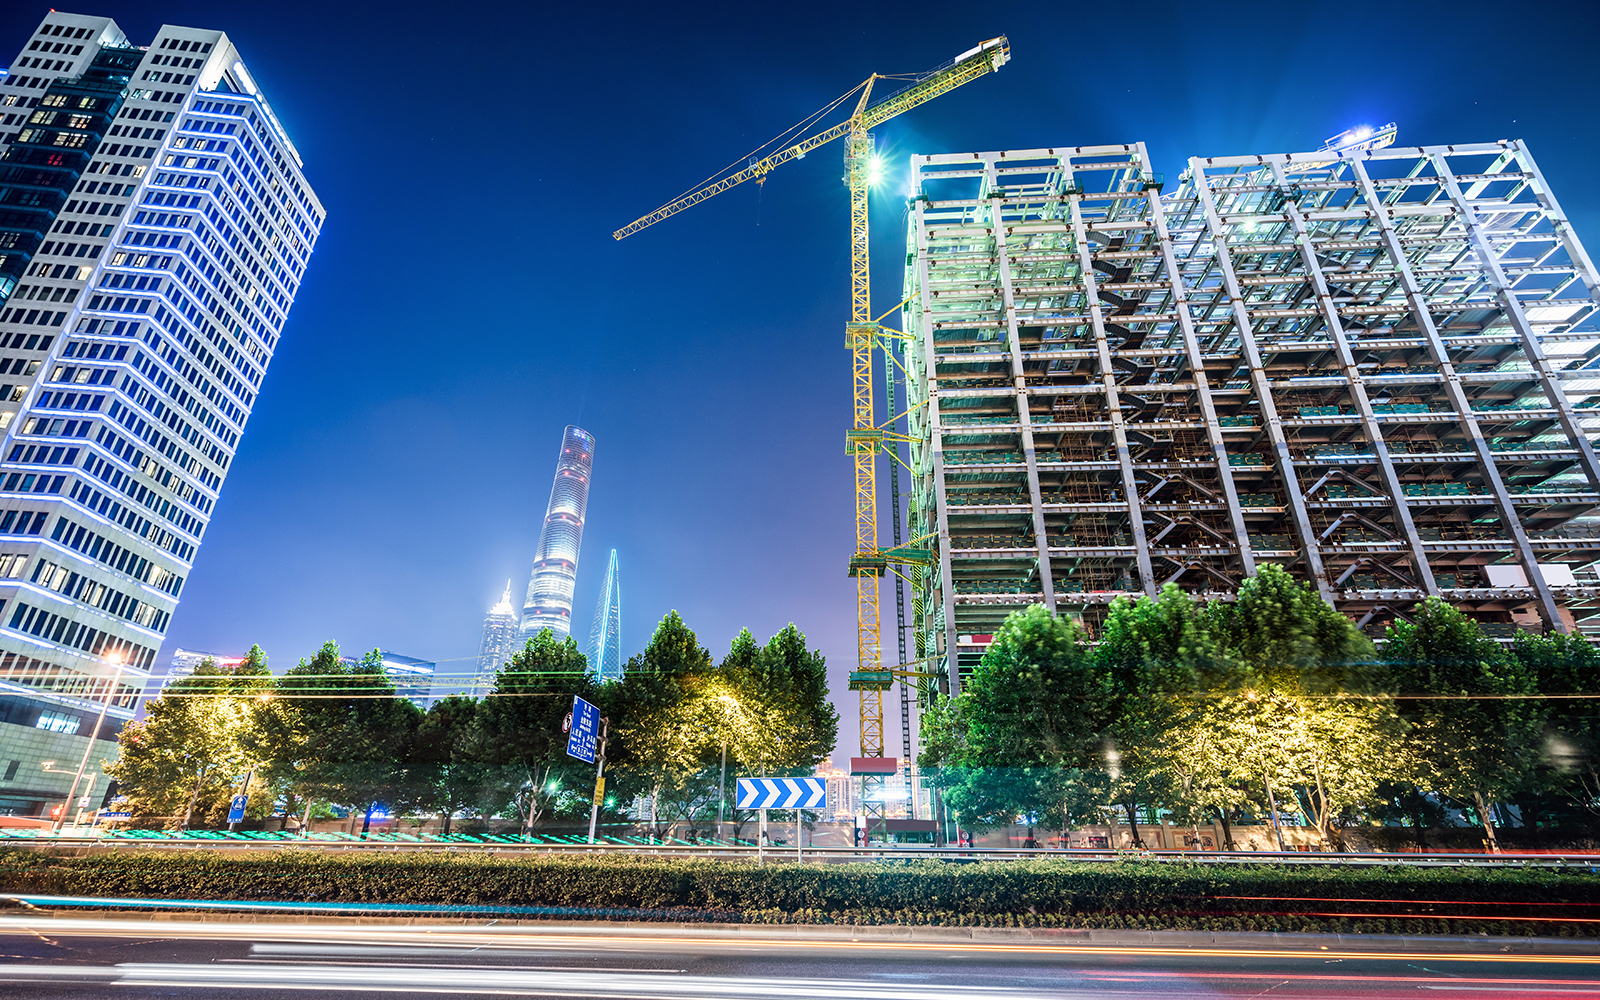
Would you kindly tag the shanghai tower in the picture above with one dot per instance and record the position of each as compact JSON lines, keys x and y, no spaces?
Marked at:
{"x":555,"y":565}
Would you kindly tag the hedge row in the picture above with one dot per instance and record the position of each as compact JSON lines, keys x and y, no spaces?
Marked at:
{"x":1037,"y":893}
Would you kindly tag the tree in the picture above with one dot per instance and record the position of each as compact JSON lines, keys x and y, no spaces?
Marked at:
{"x":1299,"y":698}
{"x":518,"y":732}
{"x":1566,"y":670}
{"x":1475,"y":730}
{"x":663,"y":724}
{"x":784,"y":686}
{"x":1023,"y":735}
{"x":1151,"y":657}
{"x":189,"y":753}
{"x":445,"y":775}
{"x":336,"y":732}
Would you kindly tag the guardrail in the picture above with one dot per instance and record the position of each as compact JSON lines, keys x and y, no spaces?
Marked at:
{"x":788,"y":853}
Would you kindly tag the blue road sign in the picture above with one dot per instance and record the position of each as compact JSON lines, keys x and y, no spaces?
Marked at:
{"x":236,"y":811}
{"x":585,"y":730}
{"x":783,"y":793}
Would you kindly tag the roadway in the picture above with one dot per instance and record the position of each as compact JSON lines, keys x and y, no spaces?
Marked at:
{"x":123,"y":956}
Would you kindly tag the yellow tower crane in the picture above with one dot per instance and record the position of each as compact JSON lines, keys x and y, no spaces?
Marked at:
{"x":863,"y":334}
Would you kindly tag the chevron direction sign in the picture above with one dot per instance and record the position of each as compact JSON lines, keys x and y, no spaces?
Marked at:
{"x":783,"y":793}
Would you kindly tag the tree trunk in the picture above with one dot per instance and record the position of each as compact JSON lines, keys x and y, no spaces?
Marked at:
{"x":1133,"y":822}
{"x":1227,"y":829}
{"x":305,"y":824}
{"x":1422,"y":838}
{"x":655,"y":794}
{"x":444,"y":823}
{"x":1485,"y":818}
{"x":193,"y":797}
{"x":366,"y":820}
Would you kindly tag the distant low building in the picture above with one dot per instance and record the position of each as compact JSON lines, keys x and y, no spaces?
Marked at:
{"x":413,"y":678}
{"x":185,"y":660}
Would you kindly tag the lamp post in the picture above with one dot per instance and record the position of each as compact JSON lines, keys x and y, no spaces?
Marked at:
{"x":1272,"y":802}
{"x":722,"y":784}
{"x":111,"y":690}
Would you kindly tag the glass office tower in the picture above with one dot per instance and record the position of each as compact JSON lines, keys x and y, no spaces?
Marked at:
{"x":154,"y":227}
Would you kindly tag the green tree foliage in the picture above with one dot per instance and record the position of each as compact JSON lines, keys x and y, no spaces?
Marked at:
{"x":519,"y":734}
{"x":334,"y":731}
{"x":1023,"y":735}
{"x":1465,"y":697}
{"x":1299,"y":700}
{"x":444,"y":774}
{"x":189,"y":754}
{"x":1566,"y":669}
{"x":664,"y":717}
{"x":782,"y":688}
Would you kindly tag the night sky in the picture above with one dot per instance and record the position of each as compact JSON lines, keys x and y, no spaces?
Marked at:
{"x":467,"y":301}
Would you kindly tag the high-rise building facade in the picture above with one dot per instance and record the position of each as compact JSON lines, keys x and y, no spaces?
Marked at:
{"x":154,"y":227}
{"x":502,"y":637}
{"x":1374,"y":368}
{"x":605,"y":638}
{"x":555,"y":566}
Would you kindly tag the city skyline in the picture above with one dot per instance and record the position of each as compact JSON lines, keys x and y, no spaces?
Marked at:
{"x":384,"y":456}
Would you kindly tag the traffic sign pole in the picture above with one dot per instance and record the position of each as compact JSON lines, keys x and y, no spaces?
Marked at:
{"x":599,"y":776}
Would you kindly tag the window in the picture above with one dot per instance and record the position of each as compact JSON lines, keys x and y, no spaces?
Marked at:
{"x":58,"y":722}
{"x":11,"y":770}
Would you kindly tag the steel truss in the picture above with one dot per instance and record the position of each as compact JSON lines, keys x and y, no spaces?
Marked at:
{"x":1376,"y":371}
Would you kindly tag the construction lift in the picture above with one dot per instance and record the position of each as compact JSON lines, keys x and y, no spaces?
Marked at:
{"x":864,"y":335}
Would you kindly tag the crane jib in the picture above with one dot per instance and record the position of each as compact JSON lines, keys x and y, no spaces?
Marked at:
{"x":987,"y":57}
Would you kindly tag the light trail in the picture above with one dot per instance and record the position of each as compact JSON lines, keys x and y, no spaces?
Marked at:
{"x":522,"y":937}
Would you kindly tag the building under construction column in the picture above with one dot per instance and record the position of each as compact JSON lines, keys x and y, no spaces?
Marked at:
{"x":1376,"y":369}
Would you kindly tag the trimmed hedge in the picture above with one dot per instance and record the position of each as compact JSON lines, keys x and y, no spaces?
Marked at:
{"x":1036,"y":893}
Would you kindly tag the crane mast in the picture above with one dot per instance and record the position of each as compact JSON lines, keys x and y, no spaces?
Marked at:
{"x":864,"y":335}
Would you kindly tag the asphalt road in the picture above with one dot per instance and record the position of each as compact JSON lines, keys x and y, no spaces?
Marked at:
{"x":43,"y":956}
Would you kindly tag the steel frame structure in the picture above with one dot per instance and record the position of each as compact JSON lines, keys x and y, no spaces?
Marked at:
{"x":1375,"y":368}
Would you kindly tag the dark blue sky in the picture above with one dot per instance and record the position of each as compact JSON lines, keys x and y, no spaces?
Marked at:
{"x":466,"y":300}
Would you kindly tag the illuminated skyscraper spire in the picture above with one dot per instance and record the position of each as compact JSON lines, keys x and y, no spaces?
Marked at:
{"x":501,"y":635}
{"x":555,"y":566}
{"x":605,"y":641}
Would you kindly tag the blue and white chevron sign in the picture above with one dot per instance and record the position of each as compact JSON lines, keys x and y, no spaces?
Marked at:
{"x":783,"y":793}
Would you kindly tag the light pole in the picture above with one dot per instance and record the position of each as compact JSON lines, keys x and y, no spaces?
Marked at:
{"x":722,"y":784}
{"x":1272,"y":802}
{"x":111,"y":690}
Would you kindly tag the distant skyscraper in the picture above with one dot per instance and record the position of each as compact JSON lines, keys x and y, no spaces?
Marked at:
{"x":155,"y":223}
{"x":555,"y":566}
{"x":502,"y":634}
{"x":605,"y":641}
{"x":412,"y":678}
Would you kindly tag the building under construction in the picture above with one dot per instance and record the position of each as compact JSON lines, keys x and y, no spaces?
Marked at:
{"x":1376,"y":369}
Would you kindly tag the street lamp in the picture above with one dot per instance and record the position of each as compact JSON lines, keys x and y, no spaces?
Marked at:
{"x":116,"y":661}
{"x":1272,"y":802}
{"x":722,"y":784}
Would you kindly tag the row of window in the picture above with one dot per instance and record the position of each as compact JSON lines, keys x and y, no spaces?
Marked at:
{"x":32,"y":317}
{"x":28,"y":82}
{"x":49,"y":65}
{"x":91,"y":350}
{"x":12,"y":565}
{"x":146,"y":115}
{"x":69,"y":401}
{"x":142,"y":238}
{"x":136,"y":132}
{"x":116,"y":169}
{"x":28,"y":482}
{"x":157,"y":76}
{"x":52,"y":249}
{"x":92,"y":207}
{"x":81,"y":227}
{"x":36,"y":673}
{"x":19,"y":366}
{"x":54,"y":628}
{"x":23,"y":522}
{"x":75,"y":586}
{"x":42,"y":454}
{"x":185,"y":46}
{"x":58,"y":31}
{"x":182,"y":62}
{"x":26,"y":341}
{"x":46,"y":293}
{"x":56,"y":427}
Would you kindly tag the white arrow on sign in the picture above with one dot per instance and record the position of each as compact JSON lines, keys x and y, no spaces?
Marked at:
{"x":783,"y":793}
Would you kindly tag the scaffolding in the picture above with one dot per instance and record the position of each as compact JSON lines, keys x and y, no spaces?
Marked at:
{"x":1377,"y":371}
